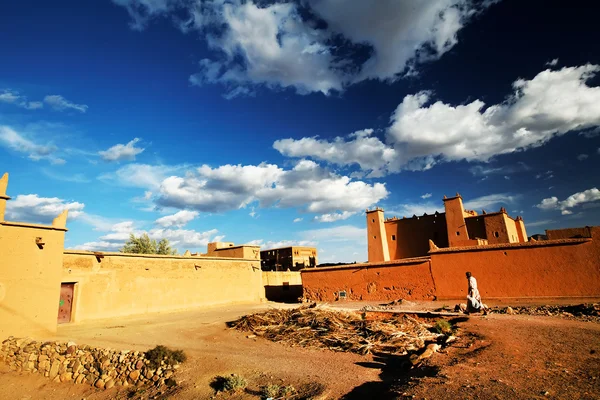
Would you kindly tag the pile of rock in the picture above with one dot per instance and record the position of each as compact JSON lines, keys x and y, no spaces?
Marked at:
{"x":68,"y":362}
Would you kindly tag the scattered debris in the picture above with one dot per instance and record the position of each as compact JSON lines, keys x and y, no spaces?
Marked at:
{"x":582,"y":312}
{"x":339,"y":331}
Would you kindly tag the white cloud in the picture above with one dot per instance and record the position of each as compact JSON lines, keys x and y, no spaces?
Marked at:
{"x":334,"y":216}
{"x":478,"y":203}
{"x":574,"y":200}
{"x":179,"y":219}
{"x":59,"y":103}
{"x":182,"y":239}
{"x":552,"y":63}
{"x":338,"y":234}
{"x":423,"y":133}
{"x":283,"y":45}
{"x":365,"y":150}
{"x":13,"y":97}
{"x":122,"y":152}
{"x":298,"y":219}
{"x":33,"y":208}
{"x":545,"y":222}
{"x":582,"y":157}
{"x":281,"y":243}
{"x":142,"y":176}
{"x":426,"y":196}
{"x":231,"y":187}
{"x":16,"y":142}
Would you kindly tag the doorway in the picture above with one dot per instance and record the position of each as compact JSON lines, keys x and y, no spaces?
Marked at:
{"x":65,"y":304}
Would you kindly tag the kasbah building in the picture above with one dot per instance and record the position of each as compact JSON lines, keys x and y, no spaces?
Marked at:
{"x":419,"y":258}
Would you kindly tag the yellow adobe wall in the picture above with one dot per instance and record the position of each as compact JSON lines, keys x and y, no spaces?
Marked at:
{"x":29,"y":278}
{"x":276,"y":278}
{"x":128,"y":284}
{"x":511,"y":229}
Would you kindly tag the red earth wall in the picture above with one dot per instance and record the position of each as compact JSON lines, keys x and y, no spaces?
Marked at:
{"x":558,"y":269}
{"x":389,"y":281}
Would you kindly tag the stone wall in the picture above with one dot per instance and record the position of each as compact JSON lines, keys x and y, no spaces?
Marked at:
{"x":68,"y":362}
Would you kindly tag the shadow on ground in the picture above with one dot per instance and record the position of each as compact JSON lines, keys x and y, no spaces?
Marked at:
{"x":396,"y":373}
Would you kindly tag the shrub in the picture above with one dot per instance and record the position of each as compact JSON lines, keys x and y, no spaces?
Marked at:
{"x":232,"y":383}
{"x":162,"y":353}
{"x":277,"y":392}
{"x":443,"y":326}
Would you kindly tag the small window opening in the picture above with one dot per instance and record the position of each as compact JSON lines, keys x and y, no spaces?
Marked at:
{"x":393,"y":237}
{"x":374,"y":237}
{"x":496,"y":234}
{"x":457,"y":233}
{"x":373,"y":220}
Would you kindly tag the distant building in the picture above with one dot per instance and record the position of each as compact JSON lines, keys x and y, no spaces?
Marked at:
{"x":292,"y":258}
{"x":394,"y":238}
{"x":229,"y":250}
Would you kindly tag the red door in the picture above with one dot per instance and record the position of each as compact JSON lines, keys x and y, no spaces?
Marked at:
{"x":66,"y":302}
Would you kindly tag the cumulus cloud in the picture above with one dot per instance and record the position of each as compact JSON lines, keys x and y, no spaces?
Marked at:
{"x":426,"y":196}
{"x":142,"y":176}
{"x":179,"y":219}
{"x":423,"y":133}
{"x":59,"y":103}
{"x":13,"y":140}
{"x":574,"y":200}
{"x":36,"y":209}
{"x":363,"y":149}
{"x":311,"y":46}
{"x":122,"y":152}
{"x":552,"y":63}
{"x":477,"y":203}
{"x":582,"y":157}
{"x":231,"y":187}
{"x":181,"y":239}
{"x":334,"y":216}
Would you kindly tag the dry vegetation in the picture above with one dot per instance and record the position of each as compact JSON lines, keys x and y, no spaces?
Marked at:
{"x":339,"y":331}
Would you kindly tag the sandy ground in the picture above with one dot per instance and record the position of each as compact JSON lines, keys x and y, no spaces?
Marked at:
{"x":497,"y":356}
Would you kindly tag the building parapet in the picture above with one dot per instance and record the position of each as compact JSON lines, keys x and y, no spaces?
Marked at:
{"x":500,"y":246}
{"x":392,"y":263}
{"x":183,"y":257}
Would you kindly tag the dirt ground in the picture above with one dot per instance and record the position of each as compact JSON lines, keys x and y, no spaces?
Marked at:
{"x":496,"y":357}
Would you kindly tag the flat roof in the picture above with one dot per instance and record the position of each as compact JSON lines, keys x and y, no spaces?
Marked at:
{"x":290,"y":247}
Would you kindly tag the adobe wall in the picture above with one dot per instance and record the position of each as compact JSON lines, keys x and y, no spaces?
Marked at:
{"x":569,"y":268}
{"x":245,"y":252}
{"x":29,"y":278}
{"x":569,"y":233}
{"x":400,"y":279}
{"x":377,"y":243}
{"x":282,"y":286}
{"x":409,"y":237}
{"x":128,"y":284}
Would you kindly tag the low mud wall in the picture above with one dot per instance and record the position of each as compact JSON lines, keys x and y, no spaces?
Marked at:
{"x":282,"y":286}
{"x":109,"y":285}
{"x":560,"y":268}
{"x":402,"y":279}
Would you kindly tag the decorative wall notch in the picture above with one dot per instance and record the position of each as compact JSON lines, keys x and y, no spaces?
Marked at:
{"x":99,"y":256}
{"x":39,"y":242}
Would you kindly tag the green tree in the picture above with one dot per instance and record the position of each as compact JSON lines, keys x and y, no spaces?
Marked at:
{"x":145,"y":245}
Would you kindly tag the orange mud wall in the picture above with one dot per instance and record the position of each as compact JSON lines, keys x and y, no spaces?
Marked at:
{"x":409,"y":237}
{"x":131,"y":284}
{"x":403,"y":279}
{"x":567,"y":268}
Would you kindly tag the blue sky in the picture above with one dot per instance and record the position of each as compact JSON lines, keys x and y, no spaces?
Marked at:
{"x":279,"y":123}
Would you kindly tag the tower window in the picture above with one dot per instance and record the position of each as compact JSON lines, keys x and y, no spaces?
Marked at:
{"x":457,"y":233}
{"x":374,"y":237}
{"x":373,"y":220}
{"x":393,"y":237}
{"x":496,"y":234}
